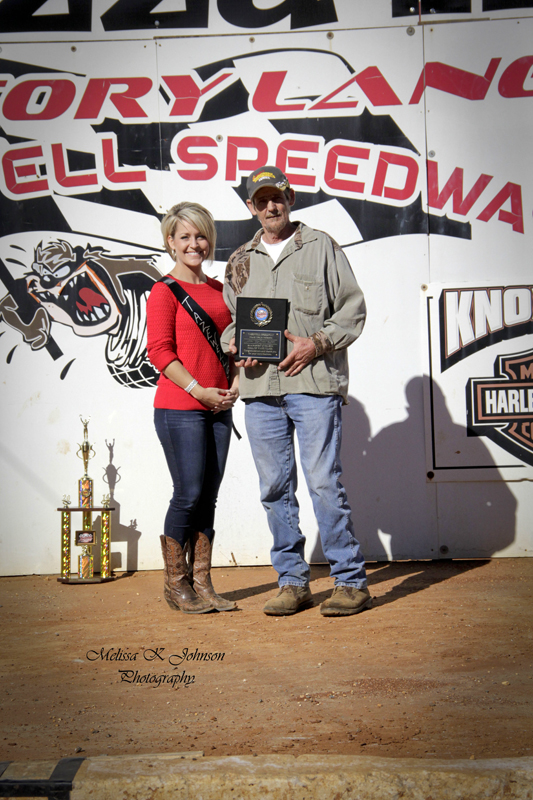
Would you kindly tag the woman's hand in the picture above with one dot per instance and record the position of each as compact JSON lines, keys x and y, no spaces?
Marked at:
{"x":232,"y":395}
{"x":228,"y":401}
{"x":215,"y":399}
{"x":210,"y":396}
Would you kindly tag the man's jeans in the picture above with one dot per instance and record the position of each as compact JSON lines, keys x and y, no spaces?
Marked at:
{"x":196,"y":445}
{"x":270,"y":423}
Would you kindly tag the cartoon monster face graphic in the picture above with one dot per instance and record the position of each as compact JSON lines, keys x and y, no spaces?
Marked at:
{"x":92,"y":292}
{"x":67,"y":284}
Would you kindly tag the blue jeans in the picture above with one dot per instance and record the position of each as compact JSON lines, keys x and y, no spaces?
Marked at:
{"x":196,"y":445}
{"x":270,"y":424}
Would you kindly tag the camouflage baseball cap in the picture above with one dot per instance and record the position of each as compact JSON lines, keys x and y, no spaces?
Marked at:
{"x":266,"y":176}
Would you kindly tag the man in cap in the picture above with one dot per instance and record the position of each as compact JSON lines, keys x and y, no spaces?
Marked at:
{"x":303,"y":393}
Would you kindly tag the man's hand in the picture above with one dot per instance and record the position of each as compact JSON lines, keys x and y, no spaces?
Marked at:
{"x":249,"y":362}
{"x":302,"y":354}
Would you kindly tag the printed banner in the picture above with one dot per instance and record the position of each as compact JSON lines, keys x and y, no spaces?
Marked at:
{"x":115,"y":19}
{"x":480,"y":388}
{"x":408,"y":143}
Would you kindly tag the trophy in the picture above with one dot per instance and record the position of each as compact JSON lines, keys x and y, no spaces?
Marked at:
{"x":85,"y":538}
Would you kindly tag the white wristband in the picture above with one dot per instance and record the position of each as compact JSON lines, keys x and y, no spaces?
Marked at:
{"x":191,"y":386}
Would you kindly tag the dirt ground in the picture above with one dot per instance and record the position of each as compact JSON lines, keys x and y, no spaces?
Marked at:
{"x":441,"y":667}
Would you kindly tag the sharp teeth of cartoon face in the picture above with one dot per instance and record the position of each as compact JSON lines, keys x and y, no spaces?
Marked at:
{"x":95,"y":315}
{"x":71,"y":286}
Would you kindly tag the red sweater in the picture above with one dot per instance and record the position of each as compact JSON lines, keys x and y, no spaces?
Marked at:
{"x":173,"y":334}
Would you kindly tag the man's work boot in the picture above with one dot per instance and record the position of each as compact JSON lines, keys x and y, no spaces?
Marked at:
{"x":346,"y":600}
{"x":289,"y":600}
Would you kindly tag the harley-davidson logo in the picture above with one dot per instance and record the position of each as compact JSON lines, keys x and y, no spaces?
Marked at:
{"x":502,"y":407}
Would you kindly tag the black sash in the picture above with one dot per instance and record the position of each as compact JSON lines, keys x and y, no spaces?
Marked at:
{"x":202,"y":319}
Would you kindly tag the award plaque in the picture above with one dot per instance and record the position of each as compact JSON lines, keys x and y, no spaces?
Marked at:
{"x":260,"y":328}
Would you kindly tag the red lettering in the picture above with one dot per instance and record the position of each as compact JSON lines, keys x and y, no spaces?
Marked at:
{"x":76,"y":179}
{"x":284,"y":160}
{"x":455,"y":81}
{"x":515,"y":217}
{"x":325,"y":103}
{"x":211,"y":164}
{"x":267,"y":91}
{"x":379,"y":189}
{"x":12,"y":173}
{"x":376,"y":88}
{"x":112,"y":171}
{"x":453,"y":187}
{"x":58,"y":96}
{"x":233,"y":162}
{"x":512,"y":81}
{"x":98,"y":89}
{"x":334,"y":166}
{"x":187,"y":93}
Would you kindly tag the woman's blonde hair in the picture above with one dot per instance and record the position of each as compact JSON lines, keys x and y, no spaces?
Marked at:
{"x":194,"y":214}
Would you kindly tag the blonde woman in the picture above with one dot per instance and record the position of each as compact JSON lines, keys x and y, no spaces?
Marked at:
{"x":195,"y":393}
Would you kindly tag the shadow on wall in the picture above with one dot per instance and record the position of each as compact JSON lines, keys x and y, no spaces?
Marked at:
{"x":397,"y":512}
{"x":119,"y":532}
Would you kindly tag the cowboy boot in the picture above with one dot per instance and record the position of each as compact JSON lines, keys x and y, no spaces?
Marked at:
{"x":166,"y":585}
{"x":178,"y":592}
{"x":201,"y":566}
{"x":187,"y":549}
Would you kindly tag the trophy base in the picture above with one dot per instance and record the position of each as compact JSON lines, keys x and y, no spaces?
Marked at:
{"x":97,"y":579}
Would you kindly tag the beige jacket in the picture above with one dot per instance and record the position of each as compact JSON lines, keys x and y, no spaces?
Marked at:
{"x":325,"y":303}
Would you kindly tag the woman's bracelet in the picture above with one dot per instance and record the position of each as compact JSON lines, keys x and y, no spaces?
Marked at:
{"x":191,"y":386}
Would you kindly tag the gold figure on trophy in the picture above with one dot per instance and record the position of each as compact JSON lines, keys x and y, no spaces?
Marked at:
{"x":85,"y":484}
{"x":86,"y":447}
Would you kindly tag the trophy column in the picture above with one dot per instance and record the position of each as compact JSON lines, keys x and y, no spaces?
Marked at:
{"x":65,"y":539}
{"x":105,"y":563}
